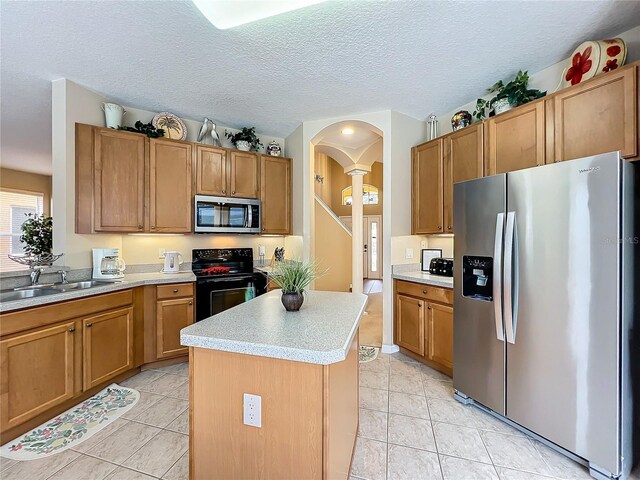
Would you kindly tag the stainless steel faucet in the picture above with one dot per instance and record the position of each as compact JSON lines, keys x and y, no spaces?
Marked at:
{"x":63,"y":276}
{"x":35,"y":276}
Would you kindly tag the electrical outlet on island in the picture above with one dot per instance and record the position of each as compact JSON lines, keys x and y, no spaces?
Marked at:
{"x":252,"y":408}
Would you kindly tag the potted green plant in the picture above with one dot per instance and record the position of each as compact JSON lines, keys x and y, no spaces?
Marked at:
{"x":508,"y":96}
{"x":245,"y":140}
{"x":293,"y":276}
{"x":37,"y":235}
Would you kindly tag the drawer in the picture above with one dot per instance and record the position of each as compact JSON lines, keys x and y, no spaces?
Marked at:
{"x":175,"y":290}
{"x":434,"y":294}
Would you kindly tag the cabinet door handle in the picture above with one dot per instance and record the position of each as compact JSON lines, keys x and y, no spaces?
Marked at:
{"x":424,"y":291}
{"x":88,"y":325}
{"x":428,"y":308}
{"x":72,"y":329}
{"x":175,"y":290}
{"x":153,"y":227}
{"x":450,"y":227}
{"x":190,"y":303}
{"x":140,"y":227}
{"x":439,"y":227}
{"x":233,"y":192}
{"x":224,"y":192}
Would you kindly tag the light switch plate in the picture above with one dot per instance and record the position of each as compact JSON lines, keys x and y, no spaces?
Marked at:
{"x":252,"y":408}
{"x":161,"y":252}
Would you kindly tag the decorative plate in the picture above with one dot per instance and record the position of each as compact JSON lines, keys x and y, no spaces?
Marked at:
{"x":174,"y":128}
{"x":593,"y":58}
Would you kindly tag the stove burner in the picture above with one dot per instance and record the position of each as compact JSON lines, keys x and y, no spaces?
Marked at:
{"x":219,"y":270}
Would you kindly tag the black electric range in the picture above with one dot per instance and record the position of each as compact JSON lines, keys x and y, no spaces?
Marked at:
{"x":225,"y":277}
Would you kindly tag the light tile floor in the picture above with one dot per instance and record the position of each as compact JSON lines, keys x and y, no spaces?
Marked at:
{"x":410,"y":428}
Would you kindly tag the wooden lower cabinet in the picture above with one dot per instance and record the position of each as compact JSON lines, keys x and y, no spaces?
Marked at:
{"x":107,"y":346}
{"x":171,"y":317}
{"x":439,"y":333}
{"x":410,"y":324}
{"x":37,"y":372}
{"x":423,"y":323}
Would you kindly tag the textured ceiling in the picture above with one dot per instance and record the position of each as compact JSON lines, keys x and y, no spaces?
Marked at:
{"x":327,"y":60}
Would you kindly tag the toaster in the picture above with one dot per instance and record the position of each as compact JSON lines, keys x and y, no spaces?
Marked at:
{"x":441,"y":266}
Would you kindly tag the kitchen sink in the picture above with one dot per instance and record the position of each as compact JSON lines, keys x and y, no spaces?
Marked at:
{"x":65,"y":287}
{"x":30,"y":293}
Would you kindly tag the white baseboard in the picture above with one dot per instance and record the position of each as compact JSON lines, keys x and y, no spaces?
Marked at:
{"x":390,"y":348}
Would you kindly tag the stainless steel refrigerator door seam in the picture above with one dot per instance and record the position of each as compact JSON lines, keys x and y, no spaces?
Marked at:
{"x":509,"y":304}
{"x":497,"y":276}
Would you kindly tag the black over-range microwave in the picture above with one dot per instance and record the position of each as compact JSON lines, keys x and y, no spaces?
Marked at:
{"x":226,"y":215}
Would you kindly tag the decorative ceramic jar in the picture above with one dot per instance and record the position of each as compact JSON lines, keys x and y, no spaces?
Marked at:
{"x":460,"y":120}
{"x":502,"y":105}
{"x":243,"y":145}
{"x":273,"y":148}
{"x":113,"y":114}
{"x":292,"y":301}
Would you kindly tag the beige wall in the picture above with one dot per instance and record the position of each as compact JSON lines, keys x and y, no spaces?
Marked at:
{"x":332,"y":251}
{"x":27,"y":182}
{"x":323,"y":166}
{"x":340,"y":181}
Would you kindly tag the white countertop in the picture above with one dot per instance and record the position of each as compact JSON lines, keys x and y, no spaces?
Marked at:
{"x":130,"y":281}
{"x":425,"y":278}
{"x":321,"y":332}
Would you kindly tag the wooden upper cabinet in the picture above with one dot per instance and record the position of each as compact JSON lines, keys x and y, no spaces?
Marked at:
{"x":463,"y":160}
{"x":427,"y":188}
{"x":36,"y":373}
{"x":598,"y":116}
{"x":211,"y":171}
{"x":107,"y":346}
{"x":244,"y":174}
{"x":170,"y":182}
{"x":410,"y":332}
{"x":171,"y":317}
{"x":440,"y":334}
{"x":516,"y":139}
{"x":118,"y":183}
{"x":275,"y":193}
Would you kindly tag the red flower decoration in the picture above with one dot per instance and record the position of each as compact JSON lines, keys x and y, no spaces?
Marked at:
{"x":611,"y":65}
{"x":613,"y":51}
{"x":580,"y":65}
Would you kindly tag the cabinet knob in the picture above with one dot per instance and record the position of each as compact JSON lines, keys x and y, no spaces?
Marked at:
{"x":88,"y":325}
{"x":450,"y":227}
{"x":428,"y":308}
{"x":424,"y":291}
{"x":190,"y":303}
{"x":140,"y":227}
{"x":72,"y":329}
{"x":175,"y":290}
{"x":224,"y":191}
{"x":153,"y":227}
{"x":439,"y":227}
{"x":233,"y":192}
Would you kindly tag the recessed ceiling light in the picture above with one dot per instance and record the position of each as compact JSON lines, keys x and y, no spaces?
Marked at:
{"x":347,"y":131}
{"x":225,"y":14}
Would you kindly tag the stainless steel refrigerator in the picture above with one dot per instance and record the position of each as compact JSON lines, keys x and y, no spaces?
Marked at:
{"x":546,"y":263}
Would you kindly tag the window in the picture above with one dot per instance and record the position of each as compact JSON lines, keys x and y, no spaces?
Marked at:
{"x":369,"y":195}
{"x":14,"y":207}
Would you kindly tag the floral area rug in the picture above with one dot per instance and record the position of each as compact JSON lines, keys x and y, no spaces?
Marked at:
{"x":73,"y":426}
{"x":367,"y":353}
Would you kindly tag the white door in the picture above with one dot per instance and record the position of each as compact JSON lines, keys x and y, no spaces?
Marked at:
{"x":372,"y":248}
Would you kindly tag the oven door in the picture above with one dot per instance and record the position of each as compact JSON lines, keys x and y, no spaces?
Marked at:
{"x":215,"y":295}
{"x":226,"y":215}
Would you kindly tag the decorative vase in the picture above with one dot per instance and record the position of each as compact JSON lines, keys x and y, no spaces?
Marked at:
{"x":273,"y":148}
{"x":113,"y":114}
{"x":243,"y":145}
{"x":502,"y":105}
{"x":292,"y":301}
{"x":460,"y":120}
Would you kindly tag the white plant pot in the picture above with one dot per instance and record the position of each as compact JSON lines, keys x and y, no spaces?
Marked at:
{"x":243,"y":145}
{"x":113,"y":114}
{"x":502,"y":106}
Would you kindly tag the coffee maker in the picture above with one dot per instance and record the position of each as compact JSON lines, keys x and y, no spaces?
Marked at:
{"x":108,"y":266}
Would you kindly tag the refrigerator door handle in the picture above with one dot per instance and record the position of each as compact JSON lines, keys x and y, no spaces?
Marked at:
{"x":497,"y":277}
{"x":511,"y":279}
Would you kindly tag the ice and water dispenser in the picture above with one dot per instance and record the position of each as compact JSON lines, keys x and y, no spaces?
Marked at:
{"x":477,"y":278}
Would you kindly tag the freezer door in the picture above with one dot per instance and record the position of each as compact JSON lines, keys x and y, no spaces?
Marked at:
{"x":562,"y":304}
{"x":478,"y":331}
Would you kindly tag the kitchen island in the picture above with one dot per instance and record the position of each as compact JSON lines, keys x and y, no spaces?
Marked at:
{"x":303,"y":366}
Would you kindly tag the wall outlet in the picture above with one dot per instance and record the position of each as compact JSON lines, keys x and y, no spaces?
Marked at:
{"x":252,"y":410}
{"x":408,"y":253}
{"x":423,"y":244}
{"x":161,"y":252}
{"x":261,"y":250}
